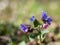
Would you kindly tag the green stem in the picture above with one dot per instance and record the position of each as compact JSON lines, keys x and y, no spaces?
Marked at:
{"x":39,"y":31}
{"x":40,"y":40}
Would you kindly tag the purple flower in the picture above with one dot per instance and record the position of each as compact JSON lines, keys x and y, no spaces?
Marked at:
{"x":32,"y":19}
{"x":23,"y":28}
{"x":49,"y":20}
{"x":44,"y":15}
{"x":45,"y":18}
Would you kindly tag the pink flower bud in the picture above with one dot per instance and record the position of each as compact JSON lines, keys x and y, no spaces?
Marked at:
{"x":44,"y":26}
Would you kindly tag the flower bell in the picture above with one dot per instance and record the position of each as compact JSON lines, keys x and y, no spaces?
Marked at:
{"x":49,"y":20}
{"x":32,"y":19}
{"x":44,"y":15}
{"x":23,"y":28}
{"x":26,"y":28}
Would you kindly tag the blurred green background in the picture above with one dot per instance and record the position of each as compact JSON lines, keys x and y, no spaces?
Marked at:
{"x":19,"y":11}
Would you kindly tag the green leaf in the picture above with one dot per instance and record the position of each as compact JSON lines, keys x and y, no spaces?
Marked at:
{"x":24,"y":38}
{"x":36,"y":23}
{"x":44,"y":32}
{"x":34,"y":35}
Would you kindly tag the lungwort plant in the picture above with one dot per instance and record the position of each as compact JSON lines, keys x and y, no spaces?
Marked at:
{"x":39,"y":29}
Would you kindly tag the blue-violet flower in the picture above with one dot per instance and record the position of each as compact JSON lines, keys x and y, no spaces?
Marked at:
{"x":23,"y":28}
{"x":46,"y":19}
{"x":32,"y":19}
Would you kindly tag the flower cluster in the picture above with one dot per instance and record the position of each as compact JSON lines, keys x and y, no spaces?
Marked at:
{"x":46,"y":20}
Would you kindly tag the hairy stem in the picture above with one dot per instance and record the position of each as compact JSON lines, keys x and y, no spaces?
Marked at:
{"x":40,"y":40}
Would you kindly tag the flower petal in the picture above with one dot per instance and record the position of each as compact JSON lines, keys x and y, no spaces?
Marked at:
{"x":49,"y":20}
{"x":32,"y":19}
{"x":44,"y":16}
{"x":23,"y":28}
{"x":44,"y":26}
